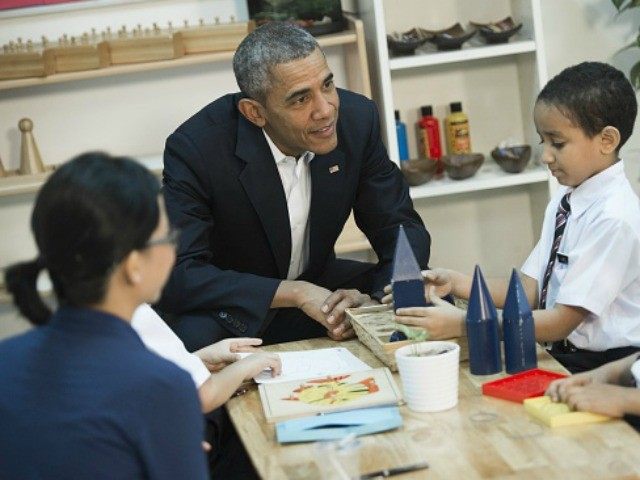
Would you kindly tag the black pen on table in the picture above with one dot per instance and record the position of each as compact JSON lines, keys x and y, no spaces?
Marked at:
{"x":388,"y":472}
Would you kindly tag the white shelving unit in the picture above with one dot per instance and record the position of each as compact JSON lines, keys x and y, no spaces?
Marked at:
{"x":497,"y":84}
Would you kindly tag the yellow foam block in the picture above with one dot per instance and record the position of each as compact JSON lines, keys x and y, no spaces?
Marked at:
{"x":559,"y":414}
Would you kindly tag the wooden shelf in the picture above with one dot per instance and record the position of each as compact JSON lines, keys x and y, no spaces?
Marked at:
{"x":342,"y":38}
{"x":467,"y":53}
{"x":25,"y":184}
{"x":490,"y":176}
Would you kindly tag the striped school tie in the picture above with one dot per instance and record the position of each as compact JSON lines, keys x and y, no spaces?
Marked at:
{"x":562,"y":214}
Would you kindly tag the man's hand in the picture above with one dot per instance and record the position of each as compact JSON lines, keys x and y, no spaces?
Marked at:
{"x":220,"y":354}
{"x":442,"y":321}
{"x":334,"y":307}
{"x":311,"y":300}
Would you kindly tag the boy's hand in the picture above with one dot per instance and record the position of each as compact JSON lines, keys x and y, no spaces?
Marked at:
{"x":439,"y":278}
{"x":605,"y":399}
{"x":221,"y":353}
{"x":257,"y":362}
{"x":442,"y":321}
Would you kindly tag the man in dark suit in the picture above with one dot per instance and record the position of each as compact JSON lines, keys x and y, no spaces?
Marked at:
{"x":261,"y":184}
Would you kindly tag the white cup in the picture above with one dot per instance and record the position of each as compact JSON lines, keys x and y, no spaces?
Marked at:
{"x":429,"y":373}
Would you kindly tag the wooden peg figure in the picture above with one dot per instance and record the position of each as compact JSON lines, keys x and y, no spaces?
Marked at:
{"x":30,"y":160}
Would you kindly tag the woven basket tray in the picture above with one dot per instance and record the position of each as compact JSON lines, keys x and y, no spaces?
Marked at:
{"x":373,"y":326}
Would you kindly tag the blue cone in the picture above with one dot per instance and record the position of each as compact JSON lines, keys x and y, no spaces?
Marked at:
{"x":518,"y":328}
{"x":406,"y":279}
{"x":482,"y":329}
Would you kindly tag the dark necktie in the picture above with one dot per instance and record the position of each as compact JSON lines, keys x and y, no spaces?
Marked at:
{"x":562,"y":214}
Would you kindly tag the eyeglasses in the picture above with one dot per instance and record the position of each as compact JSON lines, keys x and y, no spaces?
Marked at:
{"x":171,"y":238}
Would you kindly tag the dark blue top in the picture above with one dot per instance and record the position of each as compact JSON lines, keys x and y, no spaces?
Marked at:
{"x":82,"y":398}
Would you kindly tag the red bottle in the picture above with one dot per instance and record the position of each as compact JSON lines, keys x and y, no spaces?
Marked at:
{"x":429,"y":143}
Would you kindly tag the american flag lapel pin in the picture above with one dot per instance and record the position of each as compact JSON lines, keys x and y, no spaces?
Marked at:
{"x":334,"y":169}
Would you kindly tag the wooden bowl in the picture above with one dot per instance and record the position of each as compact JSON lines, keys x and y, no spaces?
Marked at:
{"x":451,"y":38}
{"x":462,"y":166}
{"x":512,"y":159}
{"x":498,"y":32}
{"x":407,"y":42}
{"x":418,"y":170}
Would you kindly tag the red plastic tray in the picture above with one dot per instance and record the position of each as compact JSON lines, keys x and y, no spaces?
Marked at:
{"x":516,"y":388}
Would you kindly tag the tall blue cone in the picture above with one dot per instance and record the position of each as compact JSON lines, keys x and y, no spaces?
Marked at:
{"x":482,"y":329}
{"x":406,"y":279}
{"x":518,"y":328}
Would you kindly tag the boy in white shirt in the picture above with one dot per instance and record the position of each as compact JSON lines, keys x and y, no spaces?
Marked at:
{"x":583,"y":276}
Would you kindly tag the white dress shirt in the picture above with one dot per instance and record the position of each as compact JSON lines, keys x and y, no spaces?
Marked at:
{"x":602,"y":275}
{"x":296,"y":182}
{"x":160,"y":339}
{"x":635,"y":371}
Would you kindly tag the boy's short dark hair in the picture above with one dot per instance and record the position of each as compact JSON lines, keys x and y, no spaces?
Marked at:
{"x":593,"y":95}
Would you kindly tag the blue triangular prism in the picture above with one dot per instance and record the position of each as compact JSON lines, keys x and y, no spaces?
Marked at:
{"x":482,"y":329}
{"x":519,"y":329}
{"x":405,"y":265}
{"x":516,"y":304}
{"x":481,"y":306}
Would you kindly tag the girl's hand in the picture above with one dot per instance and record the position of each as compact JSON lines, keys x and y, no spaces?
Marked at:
{"x":558,"y":389}
{"x":257,"y":362}
{"x":602,"y":398}
{"x":222,"y":353}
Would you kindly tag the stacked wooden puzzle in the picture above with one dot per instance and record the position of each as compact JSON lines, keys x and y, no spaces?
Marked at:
{"x":22,"y":59}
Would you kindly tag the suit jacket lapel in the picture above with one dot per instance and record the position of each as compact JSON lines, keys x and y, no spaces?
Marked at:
{"x":328,"y":180}
{"x":262,"y":184}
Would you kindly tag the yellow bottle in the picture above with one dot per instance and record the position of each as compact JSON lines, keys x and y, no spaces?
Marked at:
{"x":457,"y":130}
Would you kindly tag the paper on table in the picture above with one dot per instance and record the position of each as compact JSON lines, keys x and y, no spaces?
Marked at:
{"x":303,"y":364}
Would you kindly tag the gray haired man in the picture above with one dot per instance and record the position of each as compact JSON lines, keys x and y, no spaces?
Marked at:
{"x":261,"y":184}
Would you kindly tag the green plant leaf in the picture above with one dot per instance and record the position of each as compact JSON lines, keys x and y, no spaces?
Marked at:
{"x":617,"y":3}
{"x":631,"y":4}
{"x":634,"y":76}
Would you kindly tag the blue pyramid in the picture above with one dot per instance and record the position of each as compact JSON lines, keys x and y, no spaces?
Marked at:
{"x":406,"y":279}
{"x":482,"y":329}
{"x":519,"y":329}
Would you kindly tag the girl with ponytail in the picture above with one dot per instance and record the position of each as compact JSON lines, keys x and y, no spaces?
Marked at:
{"x":81,"y":396}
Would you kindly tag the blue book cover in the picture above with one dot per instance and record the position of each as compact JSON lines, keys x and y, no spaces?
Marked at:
{"x":334,"y":426}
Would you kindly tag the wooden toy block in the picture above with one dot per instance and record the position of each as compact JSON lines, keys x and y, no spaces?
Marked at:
{"x":142,"y":47}
{"x":21,"y":65}
{"x":559,"y":414}
{"x":75,"y":58}
{"x":214,"y":38}
{"x":374,"y":325}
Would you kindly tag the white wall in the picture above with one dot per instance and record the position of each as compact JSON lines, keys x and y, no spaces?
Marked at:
{"x":590,"y":30}
{"x":129,"y":114}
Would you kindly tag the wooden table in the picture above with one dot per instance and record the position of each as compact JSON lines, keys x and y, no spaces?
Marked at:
{"x":482,"y":437}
